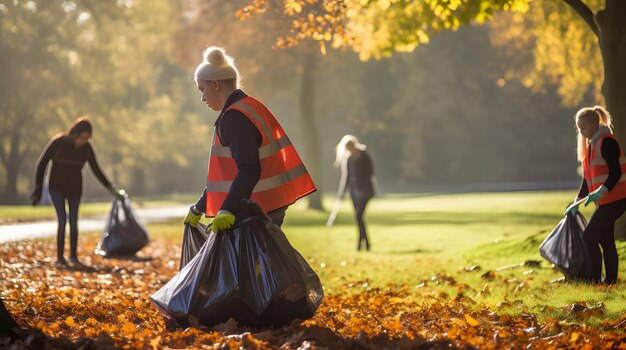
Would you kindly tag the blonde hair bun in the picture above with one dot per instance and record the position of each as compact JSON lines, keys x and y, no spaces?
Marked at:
{"x":215,"y":56}
{"x":216,"y":65}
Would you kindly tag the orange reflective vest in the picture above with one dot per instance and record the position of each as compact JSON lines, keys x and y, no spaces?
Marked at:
{"x":597,"y":171}
{"x":284,"y":179}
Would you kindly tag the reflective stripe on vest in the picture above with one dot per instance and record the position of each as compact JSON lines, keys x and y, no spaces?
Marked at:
{"x":597,"y":171}
{"x":284,"y":179}
{"x":264,"y":152}
{"x":263,"y":184}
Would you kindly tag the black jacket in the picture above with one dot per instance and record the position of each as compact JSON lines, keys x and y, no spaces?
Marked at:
{"x":67,"y":164}
{"x":360,"y":172}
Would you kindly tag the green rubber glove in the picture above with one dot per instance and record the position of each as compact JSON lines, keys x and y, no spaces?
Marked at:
{"x":596,"y":195}
{"x":192,"y":218}
{"x":572,"y":210}
{"x":119,"y":194}
{"x":222,"y":221}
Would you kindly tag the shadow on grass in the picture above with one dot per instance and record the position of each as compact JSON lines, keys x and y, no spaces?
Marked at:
{"x":134,"y":258}
{"x":433,"y":218}
{"x":413,"y":251}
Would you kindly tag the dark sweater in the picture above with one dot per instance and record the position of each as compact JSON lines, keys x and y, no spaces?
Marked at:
{"x":360,"y":171}
{"x":610,"y":152}
{"x":67,"y":165}
{"x":236,"y":131}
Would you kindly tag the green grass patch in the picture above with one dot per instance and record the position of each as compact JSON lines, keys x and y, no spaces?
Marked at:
{"x":426,"y":242}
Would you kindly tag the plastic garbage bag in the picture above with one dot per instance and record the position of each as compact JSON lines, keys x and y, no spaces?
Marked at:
{"x":193,"y":240}
{"x":123,"y":235}
{"x":250,"y":273}
{"x":6,"y":320}
{"x":566,"y":249}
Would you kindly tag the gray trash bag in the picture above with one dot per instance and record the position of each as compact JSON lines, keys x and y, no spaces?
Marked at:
{"x":250,"y":273}
{"x":565,"y":248}
{"x":193,"y":240}
{"x":123,"y":234}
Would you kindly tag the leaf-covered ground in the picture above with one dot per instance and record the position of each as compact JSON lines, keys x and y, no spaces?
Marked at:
{"x":106,"y":304}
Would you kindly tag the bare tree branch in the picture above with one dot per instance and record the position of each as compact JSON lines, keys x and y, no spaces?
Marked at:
{"x":585,"y":12}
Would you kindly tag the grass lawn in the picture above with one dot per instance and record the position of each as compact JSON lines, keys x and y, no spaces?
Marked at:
{"x":426,"y":241}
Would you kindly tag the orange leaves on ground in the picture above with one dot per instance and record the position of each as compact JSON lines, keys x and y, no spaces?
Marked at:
{"x":471,"y":321}
{"x":129,"y":328}
{"x":91,"y":322}
{"x":109,"y":304}
{"x":70,"y":322}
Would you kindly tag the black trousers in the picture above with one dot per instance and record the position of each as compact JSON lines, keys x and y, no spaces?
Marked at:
{"x":360,"y":202}
{"x":58,"y":199}
{"x":600,"y":233}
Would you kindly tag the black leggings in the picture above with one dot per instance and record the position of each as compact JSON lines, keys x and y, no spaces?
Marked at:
{"x":73,"y":200}
{"x":359,"y":210}
{"x":600,"y":233}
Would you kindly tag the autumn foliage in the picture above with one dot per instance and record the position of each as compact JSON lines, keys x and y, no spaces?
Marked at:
{"x":106,"y":304}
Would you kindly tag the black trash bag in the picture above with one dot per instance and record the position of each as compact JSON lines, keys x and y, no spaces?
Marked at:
{"x":250,"y":273}
{"x":565,"y":248}
{"x":123,"y":235}
{"x":193,"y":240}
{"x":6,"y":320}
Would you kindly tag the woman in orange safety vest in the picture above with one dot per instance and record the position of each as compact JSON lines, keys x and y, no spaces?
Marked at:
{"x":251,"y":156}
{"x":604,"y":183}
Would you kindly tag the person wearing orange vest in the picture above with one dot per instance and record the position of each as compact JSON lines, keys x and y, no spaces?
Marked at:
{"x":604,"y":183}
{"x":251,"y":156}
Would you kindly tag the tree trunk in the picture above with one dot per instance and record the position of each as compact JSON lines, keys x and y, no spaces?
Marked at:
{"x":138,"y":182}
{"x":309,"y":127}
{"x":10,"y":189}
{"x":13,"y":163}
{"x":612,"y":37}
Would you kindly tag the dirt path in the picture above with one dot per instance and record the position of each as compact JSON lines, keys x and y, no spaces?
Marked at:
{"x":48,"y":228}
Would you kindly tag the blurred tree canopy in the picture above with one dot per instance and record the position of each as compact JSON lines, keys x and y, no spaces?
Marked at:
{"x":376,"y":28}
{"x":448,"y":113}
{"x":380,"y":27}
{"x":109,"y":60}
{"x":532,"y":39}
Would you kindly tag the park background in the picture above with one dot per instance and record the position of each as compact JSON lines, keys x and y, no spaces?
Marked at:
{"x":480,"y":108}
{"x":455,"y":99}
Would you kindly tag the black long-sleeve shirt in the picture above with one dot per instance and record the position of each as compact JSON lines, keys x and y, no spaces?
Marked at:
{"x":67,"y":164}
{"x":236,"y":131}
{"x":610,"y":152}
{"x":360,"y":172}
